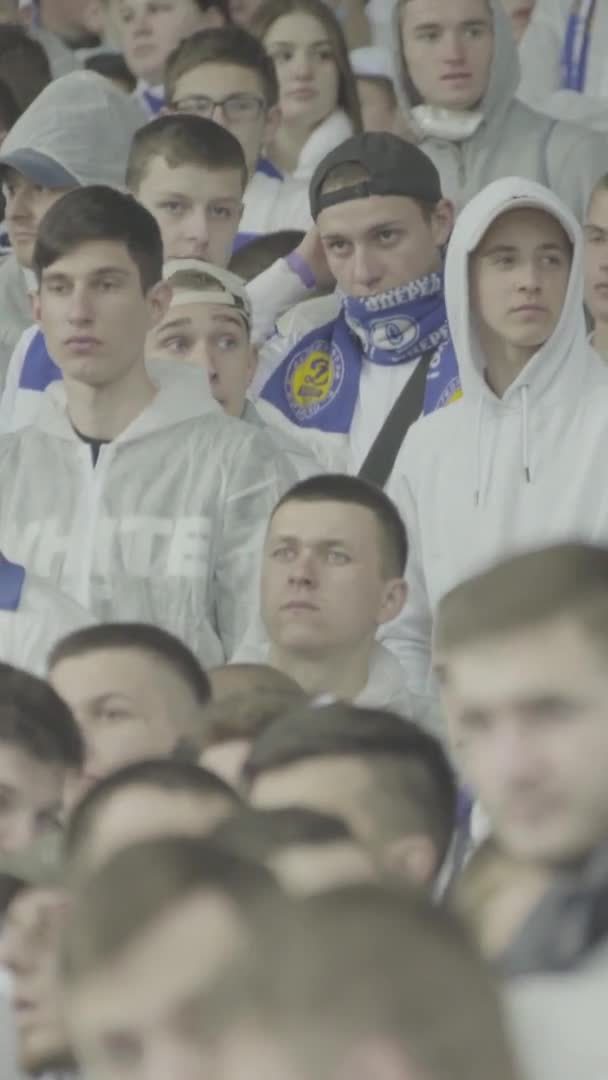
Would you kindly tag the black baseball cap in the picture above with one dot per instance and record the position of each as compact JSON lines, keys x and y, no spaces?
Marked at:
{"x":395,"y":167}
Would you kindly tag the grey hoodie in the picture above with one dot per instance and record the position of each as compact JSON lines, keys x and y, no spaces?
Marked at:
{"x":512,"y":140}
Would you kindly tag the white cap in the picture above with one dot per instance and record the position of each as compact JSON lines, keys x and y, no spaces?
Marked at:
{"x":371,"y":62}
{"x":233,"y":291}
{"x":78,"y":131}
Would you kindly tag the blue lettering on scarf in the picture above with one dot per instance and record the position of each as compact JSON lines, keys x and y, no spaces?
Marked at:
{"x":38,"y":369}
{"x":317,"y":384}
{"x":12,"y":579}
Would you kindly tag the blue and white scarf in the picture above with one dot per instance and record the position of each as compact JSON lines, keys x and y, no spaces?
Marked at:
{"x":12,"y":580}
{"x":266,"y":168}
{"x":575,"y":50}
{"x":317,"y":384}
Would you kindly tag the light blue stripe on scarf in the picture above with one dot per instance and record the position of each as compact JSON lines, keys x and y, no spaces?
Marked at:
{"x":575,"y":51}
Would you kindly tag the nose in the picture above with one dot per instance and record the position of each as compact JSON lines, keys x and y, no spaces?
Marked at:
{"x":196,"y":234}
{"x":303,"y":64}
{"x":204,"y":358}
{"x":453,"y":48}
{"x":18,"y":204}
{"x":529,"y":280}
{"x":79,"y":311}
{"x":514,"y":758}
{"x":365,"y":272}
{"x":302,"y":570}
{"x":218,"y":114}
{"x":19,"y":834}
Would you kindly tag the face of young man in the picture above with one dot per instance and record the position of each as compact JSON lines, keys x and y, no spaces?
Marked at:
{"x":382,"y":242}
{"x":448,"y":47}
{"x":128,"y":704}
{"x":151,"y":29}
{"x":138,"y":1018}
{"x":233,"y":96}
{"x":306,"y":69}
{"x":527,"y":716}
{"x":94,"y":314}
{"x":520,"y":12}
{"x":216,"y":338}
{"x":198,"y":210}
{"x":29,"y":947}
{"x":323,"y":585}
{"x":31,"y":794}
{"x":519,"y":278}
{"x":26,"y":205}
{"x":596,"y":257}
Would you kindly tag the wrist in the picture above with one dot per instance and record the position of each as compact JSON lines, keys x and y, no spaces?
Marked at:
{"x":298,"y":265}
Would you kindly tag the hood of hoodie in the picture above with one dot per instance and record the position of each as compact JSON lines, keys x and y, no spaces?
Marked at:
{"x":505,"y":71}
{"x":563,"y":352}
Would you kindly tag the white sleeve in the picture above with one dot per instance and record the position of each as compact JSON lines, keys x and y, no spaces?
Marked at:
{"x":257,"y":478}
{"x":539,"y":53}
{"x":10,"y":394}
{"x":272,"y":293}
{"x":409,"y":636}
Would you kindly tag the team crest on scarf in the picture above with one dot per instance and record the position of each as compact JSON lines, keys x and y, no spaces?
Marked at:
{"x":313,"y":378}
{"x":394,"y":333}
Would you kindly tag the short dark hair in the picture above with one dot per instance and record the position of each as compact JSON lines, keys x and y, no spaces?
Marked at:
{"x":36,"y":720}
{"x":143,"y":636}
{"x":24,"y":64}
{"x":338,"y":487}
{"x":228,"y":45}
{"x":137,"y":885}
{"x":412,"y":767}
{"x":258,"y":254}
{"x":184,"y":139}
{"x":259,"y":834}
{"x":272,"y":10}
{"x":221,"y":5}
{"x":162,"y":773}
{"x":112,"y":66}
{"x":9,"y":109}
{"x":96,"y":212}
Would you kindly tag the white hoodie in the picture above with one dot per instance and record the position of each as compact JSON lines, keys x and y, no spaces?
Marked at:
{"x":167,"y":528}
{"x":488,"y":477}
{"x":540,"y":53}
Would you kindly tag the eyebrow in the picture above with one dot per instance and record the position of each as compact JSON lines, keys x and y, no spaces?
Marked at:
{"x":466,"y":24}
{"x":174,"y":325}
{"x":309,"y":44}
{"x":369,"y":232}
{"x":234,"y":320}
{"x":510,"y":249}
{"x":329,"y":542}
{"x":99,"y":271}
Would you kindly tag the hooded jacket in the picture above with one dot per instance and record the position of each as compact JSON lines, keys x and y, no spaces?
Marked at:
{"x":490,"y":477}
{"x":300,"y":457}
{"x":512,"y":138}
{"x":167,"y":528}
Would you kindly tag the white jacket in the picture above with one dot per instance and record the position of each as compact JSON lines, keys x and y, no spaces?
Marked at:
{"x":301,"y":459}
{"x":167,"y":528}
{"x":335,"y":129}
{"x":44,"y":615}
{"x":489,"y":477}
{"x":512,"y":139}
{"x":272,"y":204}
{"x":540,"y":54}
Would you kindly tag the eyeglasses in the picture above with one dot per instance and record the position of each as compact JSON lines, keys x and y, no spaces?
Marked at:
{"x":236,"y":107}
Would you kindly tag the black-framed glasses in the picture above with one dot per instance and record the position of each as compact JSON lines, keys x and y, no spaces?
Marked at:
{"x":235,"y":107}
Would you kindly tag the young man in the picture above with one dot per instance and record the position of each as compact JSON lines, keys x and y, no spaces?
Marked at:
{"x":520,"y":654}
{"x":135,"y":691}
{"x":386,"y":777}
{"x":596,"y":266}
{"x":336,"y":366}
{"x":227,"y":76}
{"x":40,"y":749}
{"x":140,"y":801}
{"x":334,"y":561}
{"x":123,"y":521}
{"x":147,"y":933}
{"x":458,"y":74}
{"x":148,"y":32}
{"x":518,"y":460}
{"x":208,"y":324}
{"x":77,"y":132}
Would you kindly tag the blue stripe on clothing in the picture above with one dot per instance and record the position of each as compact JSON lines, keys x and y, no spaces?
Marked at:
{"x":12,"y":579}
{"x":38,"y":369}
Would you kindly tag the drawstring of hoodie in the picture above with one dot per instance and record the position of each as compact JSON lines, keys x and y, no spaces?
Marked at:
{"x":525,"y":444}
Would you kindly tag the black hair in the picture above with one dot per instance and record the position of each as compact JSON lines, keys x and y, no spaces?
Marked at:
{"x":112,"y":66}
{"x":338,"y":487}
{"x":96,"y":212}
{"x":34,"y":718}
{"x":259,"y":834}
{"x":143,"y":636}
{"x":229,"y":45}
{"x":24,"y":64}
{"x":184,"y":139}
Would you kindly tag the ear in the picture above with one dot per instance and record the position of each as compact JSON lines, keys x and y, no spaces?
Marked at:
{"x":411,"y":858}
{"x":271,"y":125}
{"x":252,"y":364}
{"x":158,"y":300}
{"x":442,"y":222}
{"x":393,"y":599}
